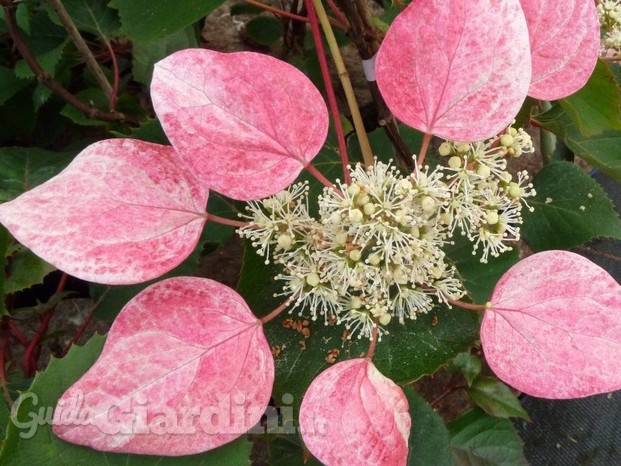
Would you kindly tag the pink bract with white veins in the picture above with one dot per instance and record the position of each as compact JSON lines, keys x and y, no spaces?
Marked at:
{"x":565,"y":42}
{"x":352,"y":414}
{"x":459,"y":69}
{"x":186,"y":368}
{"x":247,"y":123}
{"x":554,"y":328}
{"x":124,"y":211}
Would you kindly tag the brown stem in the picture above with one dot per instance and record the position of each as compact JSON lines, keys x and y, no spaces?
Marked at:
{"x":45,"y":79}
{"x":286,"y":14}
{"x":80,"y":44}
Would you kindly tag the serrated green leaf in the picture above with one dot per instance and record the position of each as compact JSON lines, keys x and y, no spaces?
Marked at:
{"x":147,"y":53}
{"x":481,"y":440}
{"x":597,"y":106}
{"x":265,"y":30}
{"x":40,"y":96}
{"x":11,"y":84}
{"x":25,"y":270}
{"x":479,"y":279}
{"x":46,"y":41}
{"x":429,"y":437}
{"x":23,"y":168}
{"x":569,"y":209}
{"x":405,"y":354}
{"x":144,"y":20}
{"x":28,"y":443}
{"x":92,"y":16}
{"x":468,"y":364}
{"x":495,"y":398}
{"x":602,"y":151}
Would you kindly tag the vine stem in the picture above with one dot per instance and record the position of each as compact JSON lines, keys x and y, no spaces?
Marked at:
{"x":469,"y":306}
{"x":115,"y":70}
{"x":226,"y":221}
{"x":423,"y":148}
{"x":373,"y":343}
{"x":363,"y":140}
{"x":45,"y":78}
{"x":265,"y":319}
{"x":325,"y":73}
{"x":82,"y":47}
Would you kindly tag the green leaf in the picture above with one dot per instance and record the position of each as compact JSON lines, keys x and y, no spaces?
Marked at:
{"x":11,"y":84}
{"x":287,"y":451}
{"x":496,"y":398}
{"x":5,"y":417}
{"x":602,"y":151}
{"x":265,"y":30}
{"x":245,"y":9}
{"x":429,"y":438}
{"x":481,"y":440}
{"x":46,"y":41}
{"x":28,"y":443}
{"x":407,"y":353}
{"x":25,"y":270}
{"x":479,"y":279}
{"x":144,"y":20}
{"x":147,"y":53}
{"x":468,"y":364}
{"x":150,"y":130}
{"x":92,"y":16}
{"x":597,"y":106}
{"x":569,"y":209}
{"x":23,"y":168}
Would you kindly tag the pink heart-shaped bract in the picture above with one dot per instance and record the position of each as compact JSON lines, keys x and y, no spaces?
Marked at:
{"x":247,"y":123}
{"x":186,"y":368}
{"x":352,"y":414}
{"x":565,"y":42}
{"x":124,"y":211}
{"x":554,"y":328}
{"x":459,"y":69}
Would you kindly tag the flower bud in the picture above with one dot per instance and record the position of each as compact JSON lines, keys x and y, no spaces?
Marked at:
{"x":312,"y":279}
{"x":454,"y":162}
{"x":445,"y":149}
{"x":355,"y":216}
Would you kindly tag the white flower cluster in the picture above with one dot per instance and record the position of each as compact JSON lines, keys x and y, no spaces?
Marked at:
{"x":375,"y":253}
{"x":485,"y":201}
{"x":609,"y":12}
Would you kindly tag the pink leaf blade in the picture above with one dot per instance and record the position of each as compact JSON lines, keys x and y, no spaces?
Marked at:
{"x":246,"y":122}
{"x":352,"y":414}
{"x":565,"y":42}
{"x":554,"y":328}
{"x":124,"y":211}
{"x":457,"y":69}
{"x":186,"y":368}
